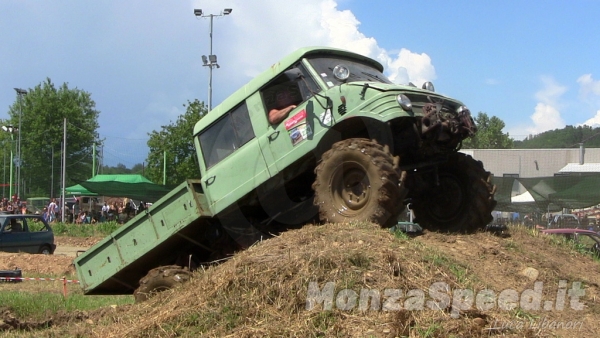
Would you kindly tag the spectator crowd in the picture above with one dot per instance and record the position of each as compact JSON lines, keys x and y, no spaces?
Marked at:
{"x":119,"y":210}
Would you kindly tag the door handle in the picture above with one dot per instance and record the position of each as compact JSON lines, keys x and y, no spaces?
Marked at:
{"x":210,"y":180}
{"x":273,"y":136}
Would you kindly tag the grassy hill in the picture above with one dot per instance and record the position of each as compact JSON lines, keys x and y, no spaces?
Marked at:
{"x":357,"y":280}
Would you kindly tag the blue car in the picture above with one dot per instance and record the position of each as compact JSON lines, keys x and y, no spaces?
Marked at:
{"x":26,"y":233}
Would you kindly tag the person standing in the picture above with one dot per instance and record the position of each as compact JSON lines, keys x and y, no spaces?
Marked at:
{"x":45,"y":214}
{"x":52,"y":210}
{"x":105,"y":210}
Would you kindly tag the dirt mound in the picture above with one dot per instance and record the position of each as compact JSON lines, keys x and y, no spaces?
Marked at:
{"x":37,"y":265}
{"x":49,"y":265}
{"x":359,"y":280}
{"x":76,"y":241}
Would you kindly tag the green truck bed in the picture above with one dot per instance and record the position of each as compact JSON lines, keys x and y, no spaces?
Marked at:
{"x":116,"y":264}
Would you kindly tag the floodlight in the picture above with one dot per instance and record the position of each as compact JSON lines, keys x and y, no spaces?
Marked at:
{"x":212,"y":58}
{"x":204,"y":60}
{"x":227,"y":11}
{"x":21,"y":91}
{"x":198,"y":12}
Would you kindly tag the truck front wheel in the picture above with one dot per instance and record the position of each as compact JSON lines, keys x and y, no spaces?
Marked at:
{"x":160,"y":279}
{"x":461,"y":201}
{"x":358,"y":180}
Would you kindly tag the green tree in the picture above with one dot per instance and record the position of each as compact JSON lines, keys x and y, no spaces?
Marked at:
{"x":138,"y":168}
{"x":176,"y":140}
{"x":120,"y":168}
{"x":489,"y":134}
{"x":42,"y":112}
{"x":568,"y":137}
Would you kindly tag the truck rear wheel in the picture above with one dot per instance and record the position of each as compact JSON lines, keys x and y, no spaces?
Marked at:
{"x":462,"y":202}
{"x":358,"y":180}
{"x":160,"y":279}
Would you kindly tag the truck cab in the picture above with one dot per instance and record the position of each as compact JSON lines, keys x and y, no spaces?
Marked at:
{"x":338,"y":95}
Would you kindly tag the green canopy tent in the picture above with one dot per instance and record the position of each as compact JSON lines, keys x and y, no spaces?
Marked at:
{"x":580,"y":193}
{"x":133,"y":186}
{"x":548,"y":193}
{"x":78,"y":190}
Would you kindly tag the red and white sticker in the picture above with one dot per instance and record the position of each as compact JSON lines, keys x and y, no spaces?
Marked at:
{"x":295,"y":120}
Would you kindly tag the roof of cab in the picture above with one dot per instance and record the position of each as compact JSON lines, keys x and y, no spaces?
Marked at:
{"x":268,"y":75}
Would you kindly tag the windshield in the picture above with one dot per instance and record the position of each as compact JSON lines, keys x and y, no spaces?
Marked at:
{"x":358,"y":71}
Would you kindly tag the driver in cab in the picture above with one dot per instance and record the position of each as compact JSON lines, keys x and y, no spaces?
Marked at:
{"x":285,"y":100}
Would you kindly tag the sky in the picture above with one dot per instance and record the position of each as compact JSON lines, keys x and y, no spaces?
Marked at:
{"x":532,"y":64}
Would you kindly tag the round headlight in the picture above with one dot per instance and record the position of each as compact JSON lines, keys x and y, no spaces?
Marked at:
{"x":428,"y":86}
{"x":341,"y":72}
{"x":404,"y":102}
{"x":462,"y":109}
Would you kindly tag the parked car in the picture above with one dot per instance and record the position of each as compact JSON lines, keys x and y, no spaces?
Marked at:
{"x":37,"y":204}
{"x":26,"y":233}
{"x":564,"y":221}
{"x":586,"y":238}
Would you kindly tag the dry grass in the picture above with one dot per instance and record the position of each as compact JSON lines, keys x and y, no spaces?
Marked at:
{"x":263,"y":291}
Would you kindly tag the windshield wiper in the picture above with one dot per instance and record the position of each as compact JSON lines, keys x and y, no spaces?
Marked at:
{"x":373,"y":77}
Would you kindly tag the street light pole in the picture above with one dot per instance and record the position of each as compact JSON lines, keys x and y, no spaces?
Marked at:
{"x":11,"y":130}
{"x":211,"y":61}
{"x":20,"y":93}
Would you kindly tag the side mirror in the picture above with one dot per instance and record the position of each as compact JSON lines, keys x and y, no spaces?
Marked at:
{"x":293,"y":74}
{"x":329,"y":103}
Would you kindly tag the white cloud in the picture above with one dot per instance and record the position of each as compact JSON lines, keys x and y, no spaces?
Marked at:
{"x":589,"y":93}
{"x":546,"y":115}
{"x":551,"y":91}
{"x":588,"y":87}
{"x":594,"y":122}
{"x":411,"y":67}
{"x":262,"y":32}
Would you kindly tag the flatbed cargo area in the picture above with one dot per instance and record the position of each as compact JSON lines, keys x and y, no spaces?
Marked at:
{"x":174,"y":222}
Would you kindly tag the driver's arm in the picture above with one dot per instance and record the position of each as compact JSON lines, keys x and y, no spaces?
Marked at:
{"x":278,"y":115}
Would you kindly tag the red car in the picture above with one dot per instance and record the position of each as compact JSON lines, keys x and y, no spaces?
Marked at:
{"x":586,"y":238}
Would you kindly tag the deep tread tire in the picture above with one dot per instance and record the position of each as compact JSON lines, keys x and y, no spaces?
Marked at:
{"x":464,"y":200}
{"x":160,"y":279}
{"x":359,"y":180}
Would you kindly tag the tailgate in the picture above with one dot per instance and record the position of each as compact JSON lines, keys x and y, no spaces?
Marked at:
{"x":115,"y":264}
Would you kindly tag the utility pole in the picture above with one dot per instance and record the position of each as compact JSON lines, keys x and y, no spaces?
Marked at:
{"x":11,"y":130}
{"x":211,"y":61}
{"x":19,"y":160}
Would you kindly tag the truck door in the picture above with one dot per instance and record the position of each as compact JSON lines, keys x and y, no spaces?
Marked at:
{"x":232,"y":158}
{"x":291,"y":138}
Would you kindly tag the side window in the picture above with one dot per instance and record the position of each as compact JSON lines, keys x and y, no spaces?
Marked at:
{"x":293,"y":92}
{"x":34,"y":224}
{"x":229,"y":133}
{"x":307,"y":85}
{"x":15,"y":225}
{"x":282,"y":95}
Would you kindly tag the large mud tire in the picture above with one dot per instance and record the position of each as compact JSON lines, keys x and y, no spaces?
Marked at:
{"x":359,"y":180}
{"x":160,"y":279}
{"x":463,"y":201}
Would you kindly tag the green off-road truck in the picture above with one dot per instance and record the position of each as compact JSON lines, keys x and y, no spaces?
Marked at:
{"x":355,"y":147}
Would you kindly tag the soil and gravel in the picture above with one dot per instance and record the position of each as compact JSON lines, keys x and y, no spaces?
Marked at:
{"x":263,"y":291}
{"x":58,"y":264}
